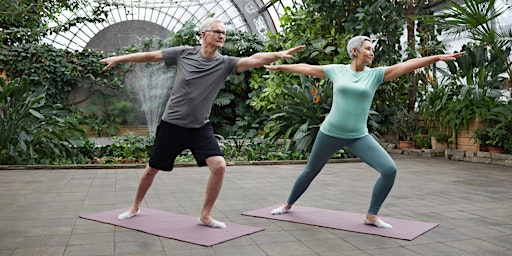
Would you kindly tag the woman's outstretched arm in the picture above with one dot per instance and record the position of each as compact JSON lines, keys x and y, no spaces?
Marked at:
{"x":399,"y":69}
{"x":303,"y":69}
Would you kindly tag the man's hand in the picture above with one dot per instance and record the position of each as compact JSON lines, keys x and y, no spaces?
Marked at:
{"x":288,"y":53}
{"x":110,"y":63}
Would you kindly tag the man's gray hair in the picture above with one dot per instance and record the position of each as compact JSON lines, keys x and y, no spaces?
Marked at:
{"x":207,"y":24}
{"x":356,"y":43}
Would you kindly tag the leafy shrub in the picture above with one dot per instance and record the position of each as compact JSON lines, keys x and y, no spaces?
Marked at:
{"x":129,"y":148}
{"x":34,"y":131}
{"x":299,"y":115}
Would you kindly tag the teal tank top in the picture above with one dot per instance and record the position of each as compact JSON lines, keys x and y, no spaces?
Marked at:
{"x":353,"y":93}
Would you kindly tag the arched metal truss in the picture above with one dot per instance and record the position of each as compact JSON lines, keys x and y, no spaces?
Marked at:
{"x":144,"y":18}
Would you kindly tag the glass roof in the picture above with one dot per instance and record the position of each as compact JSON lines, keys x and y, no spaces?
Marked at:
{"x":255,"y":16}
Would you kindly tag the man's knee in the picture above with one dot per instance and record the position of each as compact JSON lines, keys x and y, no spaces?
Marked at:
{"x":150,"y":171}
{"x":217,"y":165}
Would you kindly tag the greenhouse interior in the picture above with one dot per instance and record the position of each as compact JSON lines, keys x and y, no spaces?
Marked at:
{"x":59,"y":106}
{"x":256,"y":127}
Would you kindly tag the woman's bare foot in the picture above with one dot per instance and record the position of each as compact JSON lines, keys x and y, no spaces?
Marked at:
{"x":281,"y":209}
{"x":371,"y":219}
{"x":211,"y":222}
{"x":132,"y":212}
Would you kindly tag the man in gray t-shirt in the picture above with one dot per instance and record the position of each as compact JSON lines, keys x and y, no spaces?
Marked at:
{"x":201,"y":71}
{"x":197,"y":82}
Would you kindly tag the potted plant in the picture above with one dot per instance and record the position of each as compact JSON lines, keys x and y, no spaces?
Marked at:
{"x":422,"y":141}
{"x":481,"y":137}
{"x":497,"y":139}
{"x":405,"y":125}
{"x":439,"y":140}
{"x":499,"y":126}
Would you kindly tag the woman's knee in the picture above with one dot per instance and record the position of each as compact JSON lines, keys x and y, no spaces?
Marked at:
{"x":389,"y":172}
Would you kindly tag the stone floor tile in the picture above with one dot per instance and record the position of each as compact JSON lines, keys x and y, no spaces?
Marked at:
{"x":470,"y":201}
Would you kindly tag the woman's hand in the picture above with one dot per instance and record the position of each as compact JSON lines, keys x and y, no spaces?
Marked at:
{"x":449,"y":57}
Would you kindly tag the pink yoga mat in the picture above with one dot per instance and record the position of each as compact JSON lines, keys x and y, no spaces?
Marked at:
{"x":348,"y":221}
{"x":174,"y":226}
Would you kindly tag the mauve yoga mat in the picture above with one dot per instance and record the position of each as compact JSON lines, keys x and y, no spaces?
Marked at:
{"x":172,"y":225}
{"x":402,"y":229}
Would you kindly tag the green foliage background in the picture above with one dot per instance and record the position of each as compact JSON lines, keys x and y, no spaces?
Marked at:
{"x":259,"y":107}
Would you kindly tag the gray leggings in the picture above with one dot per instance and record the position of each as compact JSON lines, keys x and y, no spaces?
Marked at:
{"x":366,"y":148}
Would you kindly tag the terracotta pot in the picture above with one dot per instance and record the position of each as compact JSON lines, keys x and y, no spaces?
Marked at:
{"x":404,"y":144}
{"x":496,"y":150}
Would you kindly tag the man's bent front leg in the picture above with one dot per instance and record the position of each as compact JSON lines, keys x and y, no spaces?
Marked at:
{"x":217,"y":166}
{"x":145,"y":182}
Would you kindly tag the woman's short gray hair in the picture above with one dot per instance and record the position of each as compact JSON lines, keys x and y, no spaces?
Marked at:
{"x":356,"y":43}
{"x":207,"y":24}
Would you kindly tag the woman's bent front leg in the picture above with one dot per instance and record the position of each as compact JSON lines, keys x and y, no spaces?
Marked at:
{"x":372,"y":153}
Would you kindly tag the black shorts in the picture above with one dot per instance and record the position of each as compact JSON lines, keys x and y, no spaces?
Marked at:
{"x":171,"y":140}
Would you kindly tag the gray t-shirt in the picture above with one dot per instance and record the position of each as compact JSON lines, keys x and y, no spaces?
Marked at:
{"x":198,"y":81}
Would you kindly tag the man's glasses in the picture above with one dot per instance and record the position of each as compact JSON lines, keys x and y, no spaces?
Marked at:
{"x":217,"y":32}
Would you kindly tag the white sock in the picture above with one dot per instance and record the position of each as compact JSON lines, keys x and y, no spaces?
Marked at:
{"x":127,"y":215}
{"x":379,"y":223}
{"x":213,"y":224}
{"x":280,"y":210}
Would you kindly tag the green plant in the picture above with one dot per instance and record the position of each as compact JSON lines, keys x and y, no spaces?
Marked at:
{"x":422,"y":140}
{"x":497,"y":138}
{"x":405,"y":124}
{"x":440,"y":136}
{"x":131,"y":146}
{"x":59,"y":70}
{"x":299,"y":116}
{"x":122,"y":112}
{"x":459,"y":112}
{"x":494,"y":137}
{"x":34,"y":130}
{"x":500,"y":116}
{"x":470,"y":78}
{"x":499,"y":123}
{"x":25,"y":21}
{"x":478,"y":20}
{"x":101,"y":126}
{"x":481,"y":136}
{"x":473,"y":77}
{"x":432,"y":103}
{"x":258,"y":149}
{"x":108,"y":113}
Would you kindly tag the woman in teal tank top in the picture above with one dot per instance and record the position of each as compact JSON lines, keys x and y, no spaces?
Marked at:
{"x":354,"y":86}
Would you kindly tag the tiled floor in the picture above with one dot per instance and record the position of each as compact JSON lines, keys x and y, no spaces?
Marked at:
{"x":471,"y":202}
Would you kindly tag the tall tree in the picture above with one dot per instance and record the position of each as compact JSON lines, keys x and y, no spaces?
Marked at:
{"x":28,"y":21}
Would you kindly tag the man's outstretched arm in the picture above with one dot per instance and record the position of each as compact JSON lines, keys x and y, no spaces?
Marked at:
{"x":265,"y":58}
{"x":138,"y":57}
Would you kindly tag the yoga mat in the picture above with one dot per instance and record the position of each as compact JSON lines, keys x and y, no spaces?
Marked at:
{"x":174,"y":226}
{"x":348,"y":221}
